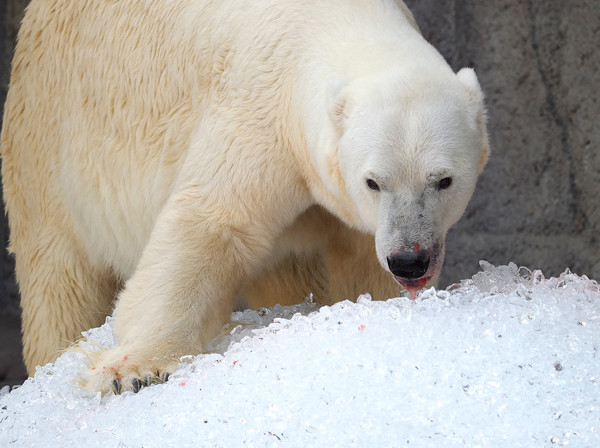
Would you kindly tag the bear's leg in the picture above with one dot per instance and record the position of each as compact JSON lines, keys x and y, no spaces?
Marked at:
{"x":61,"y":294}
{"x":288,"y":282}
{"x":299,"y":270}
{"x":203,"y":248}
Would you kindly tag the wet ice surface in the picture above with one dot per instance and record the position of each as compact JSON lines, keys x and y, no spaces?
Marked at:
{"x":505,"y":359}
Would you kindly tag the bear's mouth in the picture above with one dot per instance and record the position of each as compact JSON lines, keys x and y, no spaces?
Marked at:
{"x":412,"y":285}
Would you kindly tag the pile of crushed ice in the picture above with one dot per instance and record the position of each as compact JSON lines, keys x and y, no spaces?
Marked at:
{"x":507,"y":358}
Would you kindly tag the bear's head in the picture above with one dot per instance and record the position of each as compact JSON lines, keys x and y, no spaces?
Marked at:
{"x":410,"y":149}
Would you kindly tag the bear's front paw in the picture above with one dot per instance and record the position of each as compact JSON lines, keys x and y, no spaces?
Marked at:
{"x":118,"y":371}
{"x":136,"y":383}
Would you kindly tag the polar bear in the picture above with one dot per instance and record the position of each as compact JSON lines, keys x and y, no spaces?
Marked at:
{"x":173,"y":159}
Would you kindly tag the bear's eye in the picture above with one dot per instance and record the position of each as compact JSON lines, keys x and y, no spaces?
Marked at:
{"x":444,"y":183}
{"x":372,"y":185}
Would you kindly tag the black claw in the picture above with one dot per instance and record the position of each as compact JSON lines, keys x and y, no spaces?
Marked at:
{"x":147,"y":380}
{"x":117,"y":386}
{"x":165,"y":377}
{"x":136,"y":384}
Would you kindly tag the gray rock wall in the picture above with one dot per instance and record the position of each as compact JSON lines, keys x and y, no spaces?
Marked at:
{"x":11,"y":12}
{"x":539,"y":64}
{"x":12,"y":370}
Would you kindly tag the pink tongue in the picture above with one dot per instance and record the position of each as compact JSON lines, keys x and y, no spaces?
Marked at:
{"x":415,"y":288}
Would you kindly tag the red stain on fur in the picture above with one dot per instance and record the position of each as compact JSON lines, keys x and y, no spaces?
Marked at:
{"x":416,"y":288}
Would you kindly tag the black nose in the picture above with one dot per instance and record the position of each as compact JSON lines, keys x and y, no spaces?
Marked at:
{"x":409,"y":264}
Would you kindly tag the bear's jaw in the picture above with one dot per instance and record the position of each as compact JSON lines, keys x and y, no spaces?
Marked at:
{"x":413,"y":286}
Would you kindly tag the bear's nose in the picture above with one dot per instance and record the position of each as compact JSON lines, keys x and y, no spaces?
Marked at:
{"x":409,"y":264}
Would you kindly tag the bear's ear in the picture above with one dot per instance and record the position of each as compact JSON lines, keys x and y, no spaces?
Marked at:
{"x":476,"y":99}
{"x":336,"y":104}
{"x":469,"y":79}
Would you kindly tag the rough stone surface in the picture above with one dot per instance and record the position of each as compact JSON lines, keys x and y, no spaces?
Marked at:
{"x":11,"y":12}
{"x":12,"y":370}
{"x":539,"y":64}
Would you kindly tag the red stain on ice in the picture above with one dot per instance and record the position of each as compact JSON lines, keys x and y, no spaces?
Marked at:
{"x":362,"y":327}
{"x":235,"y":362}
{"x":182,"y":384}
